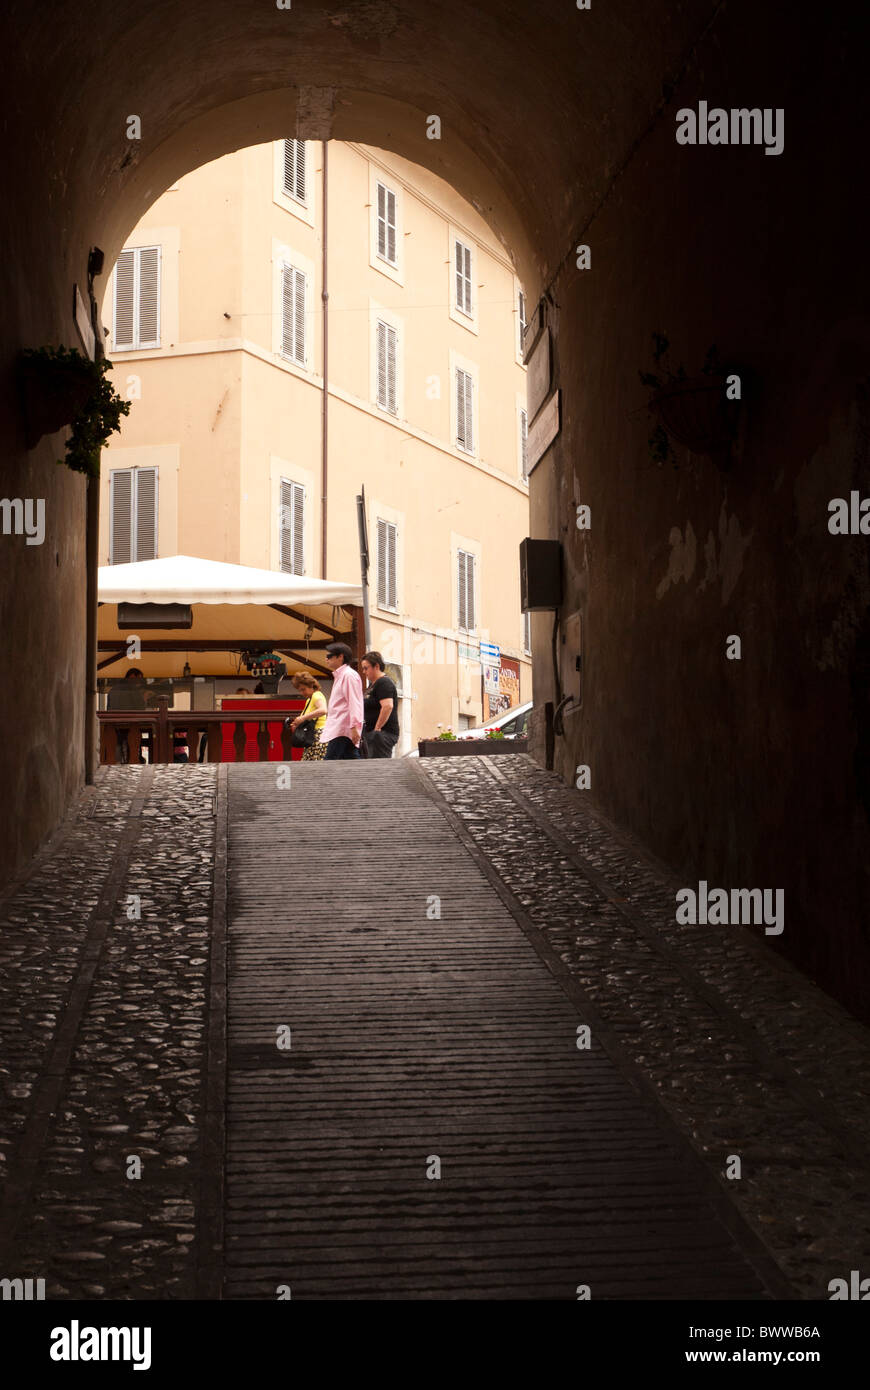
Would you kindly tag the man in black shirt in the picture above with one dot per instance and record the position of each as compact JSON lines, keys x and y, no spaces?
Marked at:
{"x":381,"y":708}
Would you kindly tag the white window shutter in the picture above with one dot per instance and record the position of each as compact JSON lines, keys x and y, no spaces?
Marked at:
{"x":149,"y":297}
{"x":125,"y":272}
{"x":291,"y":528}
{"x":392,"y":588}
{"x":386,"y":366}
{"x":391,"y":227}
{"x":287,"y":310}
{"x":465,"y":410}
{"x":463,"y":277}
{"x":145,"y":481}
{"x":294,"y":169}
{"x":299,"y":293}
{"x":527,"y":633}
{"x":471,"y":562}
{"x":134,"y":514}
{"x":285,"y":527}
{"x":392,"y":397}
{"x":121,"y":515}
{"x":466,"y":566}
{"x":293,"y":314}
{"x":382,"y":221}
{"x":382,"y":365}
{"x":137,"y":298}
{"x":387,"y":585}
{"x":298,"y":529}
{"x":521,"y":318}
{"x":386,"y":224}
{"x":383,"y":590}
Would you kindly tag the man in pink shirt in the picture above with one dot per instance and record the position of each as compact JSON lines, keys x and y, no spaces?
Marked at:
{"x":344,"y":717}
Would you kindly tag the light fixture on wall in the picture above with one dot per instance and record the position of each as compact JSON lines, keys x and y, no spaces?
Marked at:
{"x":186,"y":669}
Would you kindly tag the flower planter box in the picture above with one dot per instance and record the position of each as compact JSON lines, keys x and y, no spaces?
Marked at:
{"x":51,"y":396}
{"x":468,"y":747}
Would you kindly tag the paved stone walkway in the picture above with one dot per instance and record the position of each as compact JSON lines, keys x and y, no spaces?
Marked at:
{"x":746,"y":1055}
{"x":433,"y":1128}
{"x":417,"y":1041}
{"x":101,"y":1041}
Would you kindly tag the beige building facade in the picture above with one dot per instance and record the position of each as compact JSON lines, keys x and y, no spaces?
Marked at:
{"x":251,"y":283}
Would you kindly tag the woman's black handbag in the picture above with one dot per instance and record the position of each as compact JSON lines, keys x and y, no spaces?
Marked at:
{"x":303,"y":735}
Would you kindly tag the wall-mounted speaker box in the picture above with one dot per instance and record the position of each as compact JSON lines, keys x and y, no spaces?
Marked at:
{"x":145,"y":615}
{"x":540,"y":575}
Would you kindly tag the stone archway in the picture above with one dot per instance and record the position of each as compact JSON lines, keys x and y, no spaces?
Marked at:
{"x":559,"y":124}
{"x":205,"y":78}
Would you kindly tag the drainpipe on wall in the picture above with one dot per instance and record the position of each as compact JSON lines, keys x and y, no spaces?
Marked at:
{"x":324,"y":456}
{"x":364,"y":564}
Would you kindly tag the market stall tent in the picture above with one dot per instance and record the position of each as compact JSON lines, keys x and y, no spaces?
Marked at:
{"x":234,"y":608}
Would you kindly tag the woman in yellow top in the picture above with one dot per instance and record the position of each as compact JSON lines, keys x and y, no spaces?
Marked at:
{"x":315,"y":708}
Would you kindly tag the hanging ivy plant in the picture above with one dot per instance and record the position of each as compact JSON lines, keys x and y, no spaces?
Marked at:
{"x":61,"y":387}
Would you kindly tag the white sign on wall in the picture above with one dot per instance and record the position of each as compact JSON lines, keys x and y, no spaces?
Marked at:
{"x":490,"y":679}
{"x":83,"y":322}
{"x":538,"y":376}
{"x":544,"y":430}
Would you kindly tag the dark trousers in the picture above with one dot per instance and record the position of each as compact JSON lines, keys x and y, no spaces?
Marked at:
{"x":340,"y":748}
{"x":380,"y":744}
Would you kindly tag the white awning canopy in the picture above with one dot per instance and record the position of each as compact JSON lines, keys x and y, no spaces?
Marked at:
{"x":185,"y":579}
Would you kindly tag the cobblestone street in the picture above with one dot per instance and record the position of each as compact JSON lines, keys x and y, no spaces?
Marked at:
{"x":325,"y":1039}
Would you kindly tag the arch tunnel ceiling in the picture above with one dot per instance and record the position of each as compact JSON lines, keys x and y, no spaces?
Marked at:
{"x":538,"y":107}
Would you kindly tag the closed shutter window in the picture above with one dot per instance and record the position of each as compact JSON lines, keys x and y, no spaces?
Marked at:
{"x":521,"y":318}
{"x":146,"y":513}
{"x":524,"y":440}
{"x":122,"y":516}
{"x":467,"y":616}
{"x":527,"y":633}
{"x":137,"y":299}
{"x":387,"y":585}
{"x":293,"y":294}
{"x":292,"y":527}
{"x":386,"y":224}
{"x":465,"y":410}
{"x":125,"y":276}
{"x":133,"y":515}
{"x":463,"y":278}
{"x":387,"y":346}
{"x":294,"y":169}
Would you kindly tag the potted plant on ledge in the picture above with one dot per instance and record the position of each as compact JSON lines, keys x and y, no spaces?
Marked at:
{"x":61,"y":387}
{"x":447,"y":745}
